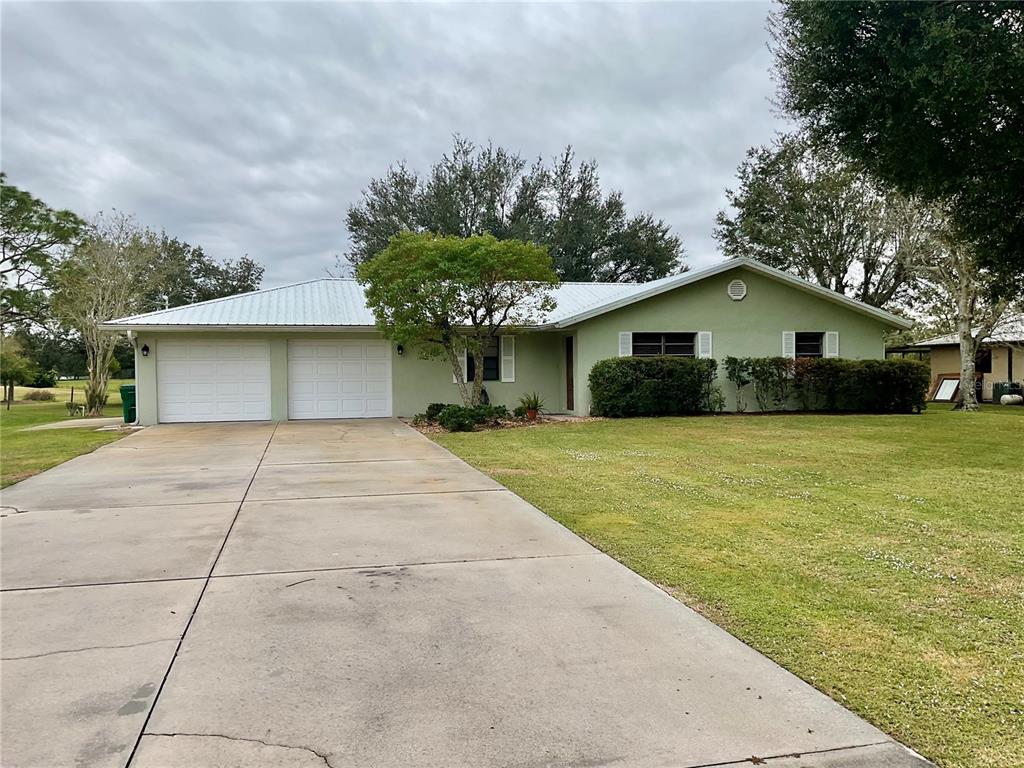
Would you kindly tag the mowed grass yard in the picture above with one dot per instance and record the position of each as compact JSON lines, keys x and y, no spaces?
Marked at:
{"x":880,"y":558}
{"x":23,"y":454}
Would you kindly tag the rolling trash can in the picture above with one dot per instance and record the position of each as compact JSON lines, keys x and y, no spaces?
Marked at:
{"x":128,"y":402}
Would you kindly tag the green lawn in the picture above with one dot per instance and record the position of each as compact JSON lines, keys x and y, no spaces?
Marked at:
{"x":880,"y":558}
{"x":63,"y":390}
{"x":23,"y":454}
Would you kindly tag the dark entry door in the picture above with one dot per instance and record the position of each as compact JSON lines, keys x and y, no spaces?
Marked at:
{"x":570,"y":403}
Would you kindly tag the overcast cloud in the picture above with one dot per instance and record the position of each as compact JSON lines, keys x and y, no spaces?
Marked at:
{"x":250,"y":128}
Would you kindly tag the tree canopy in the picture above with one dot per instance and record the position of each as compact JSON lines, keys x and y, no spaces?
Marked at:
{"x":32,"y":237}
{"x":184,"y":274}
{"x":809,"y":212}
{"x":488,"y":190}
{"x":448,"y":295}
{"x":926,"y":96}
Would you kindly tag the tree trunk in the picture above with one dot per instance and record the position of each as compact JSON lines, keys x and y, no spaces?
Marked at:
{"x":967,"y":400}
{"x":478,"y":378}
{"x":458,"y":373}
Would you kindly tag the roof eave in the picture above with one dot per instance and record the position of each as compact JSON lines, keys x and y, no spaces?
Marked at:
{"x":238,"y":327}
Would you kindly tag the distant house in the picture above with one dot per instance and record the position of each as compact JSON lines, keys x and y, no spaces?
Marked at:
{"x":312,"y":351}
{"x":995,"y":361}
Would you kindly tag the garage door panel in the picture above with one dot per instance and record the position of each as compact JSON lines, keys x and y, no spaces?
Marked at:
{"x":213,"y":380}
{"x":348,"y":379}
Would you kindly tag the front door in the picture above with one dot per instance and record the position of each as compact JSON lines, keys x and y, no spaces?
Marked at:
{"x":570,"y":403}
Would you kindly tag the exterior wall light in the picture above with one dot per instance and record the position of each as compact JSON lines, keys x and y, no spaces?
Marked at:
{"x":400,"y":350}
{"x":145,"y":350}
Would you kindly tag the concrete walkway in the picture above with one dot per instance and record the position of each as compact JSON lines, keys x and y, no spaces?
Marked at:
{"x":350,"y":594}
{"x":96,"y":423}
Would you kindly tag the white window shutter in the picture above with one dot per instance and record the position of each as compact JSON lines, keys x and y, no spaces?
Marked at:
{"x":465,"y":367}
{"x":789,"y":344}
{"x":704,"y":344}
{"x":508,"y":358}
{"x":625,"y":343}
{"x":831,"y":343}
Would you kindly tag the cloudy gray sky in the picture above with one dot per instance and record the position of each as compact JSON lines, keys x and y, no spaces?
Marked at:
{"x":250,"y":127}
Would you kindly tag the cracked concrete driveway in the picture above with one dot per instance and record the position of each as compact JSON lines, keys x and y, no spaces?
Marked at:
{"x":350,"y":594}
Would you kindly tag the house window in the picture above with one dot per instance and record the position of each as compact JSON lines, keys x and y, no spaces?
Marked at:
{"x":678,"y":344}
{"x":810,"y":344}
{"x":492,"y":364}
{"x":983,"y":361}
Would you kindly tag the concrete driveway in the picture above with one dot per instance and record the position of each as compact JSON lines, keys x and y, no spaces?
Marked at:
{"x":350,"y":594}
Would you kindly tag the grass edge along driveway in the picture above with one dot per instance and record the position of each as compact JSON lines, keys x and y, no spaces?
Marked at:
{"x":23,"y":454}
{"x":880,"y":558}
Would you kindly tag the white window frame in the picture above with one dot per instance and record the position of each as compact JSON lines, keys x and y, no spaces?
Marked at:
{"x":507,"y":359}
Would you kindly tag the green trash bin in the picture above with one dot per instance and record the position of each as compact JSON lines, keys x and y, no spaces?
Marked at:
{"x":128,"y":402}
{"x":999,"y":389}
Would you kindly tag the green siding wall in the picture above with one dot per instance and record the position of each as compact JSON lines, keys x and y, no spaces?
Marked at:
{"x":415,"y":382}
{"x":749,"y":328}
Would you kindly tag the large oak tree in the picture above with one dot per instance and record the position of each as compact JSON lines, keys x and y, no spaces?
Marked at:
{"x":810,"y":213}
{"x":925,"y":96}
{"x":488,"y":190}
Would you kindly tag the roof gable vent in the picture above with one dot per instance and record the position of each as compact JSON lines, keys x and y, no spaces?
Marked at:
{"x":737,"y":289}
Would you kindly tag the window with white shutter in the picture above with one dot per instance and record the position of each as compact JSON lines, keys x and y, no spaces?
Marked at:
{"x":625,"y":343}
{"x":831,"y":343}
{"x":789,"y":344}
{"x":508,"y":358}
{"x":704,"y":344}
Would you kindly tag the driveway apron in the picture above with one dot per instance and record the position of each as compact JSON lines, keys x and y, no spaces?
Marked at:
{"x":348,"y":593}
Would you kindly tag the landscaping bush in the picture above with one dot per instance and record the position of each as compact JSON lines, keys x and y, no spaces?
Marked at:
{"x":652,"y":386}
{"x":44,"y":395}
{"x":457,"y":418}
{"x":460,"y":418}
{"x":861,"y":386}
{"x":434,"y":410}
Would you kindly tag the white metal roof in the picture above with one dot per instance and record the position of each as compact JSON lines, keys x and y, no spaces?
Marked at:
{"x":340,"y":302}
{"x":328,"y":302}
{"x":1011,"y":330}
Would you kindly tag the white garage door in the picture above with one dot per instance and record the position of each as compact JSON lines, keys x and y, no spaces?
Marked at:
{"x":339,"y":379}
{"x":213,"y":380}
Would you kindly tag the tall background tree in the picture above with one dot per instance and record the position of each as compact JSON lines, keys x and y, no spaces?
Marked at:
{"x":32,"y":237}
{"x":809,"y":212}
{"x":450,"y":296}
{"x":183,"y":274}
{"x":105,"y":276}
{"x":956,"y":293}
{"x":488,"y":190}
{"x":925,"y":96}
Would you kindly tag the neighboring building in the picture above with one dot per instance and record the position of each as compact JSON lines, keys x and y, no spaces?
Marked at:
{"x":994,"y":362}
{"x":311,"y":350}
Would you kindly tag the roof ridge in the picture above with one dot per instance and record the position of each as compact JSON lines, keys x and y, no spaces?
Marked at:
{"x":227,"y":298}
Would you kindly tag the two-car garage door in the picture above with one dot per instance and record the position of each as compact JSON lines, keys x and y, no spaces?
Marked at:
{"x":230,"y":380}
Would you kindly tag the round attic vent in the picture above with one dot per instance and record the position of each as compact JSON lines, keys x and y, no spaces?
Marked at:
{"x":737,"y":290}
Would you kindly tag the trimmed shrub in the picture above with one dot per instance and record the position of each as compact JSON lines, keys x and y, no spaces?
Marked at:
{"x":457,"y":418}
{"x":652,"y":386}
{"x":40,"y":394}
{"x":434,"y":410}
{"x":861,"y":386}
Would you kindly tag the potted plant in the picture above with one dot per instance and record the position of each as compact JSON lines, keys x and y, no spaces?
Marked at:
{"x":533,"y":403}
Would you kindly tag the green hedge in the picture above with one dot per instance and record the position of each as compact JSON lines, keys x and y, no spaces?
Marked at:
{"x":861,"y":386}
{"x":652,"y":386}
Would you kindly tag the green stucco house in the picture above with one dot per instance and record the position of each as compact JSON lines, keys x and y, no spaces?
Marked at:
{"x":311,"y":350}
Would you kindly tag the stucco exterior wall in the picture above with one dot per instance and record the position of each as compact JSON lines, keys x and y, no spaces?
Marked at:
{"x":415,"y":382}
{"x":945,"y":360}
{"x":749,"y":328}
